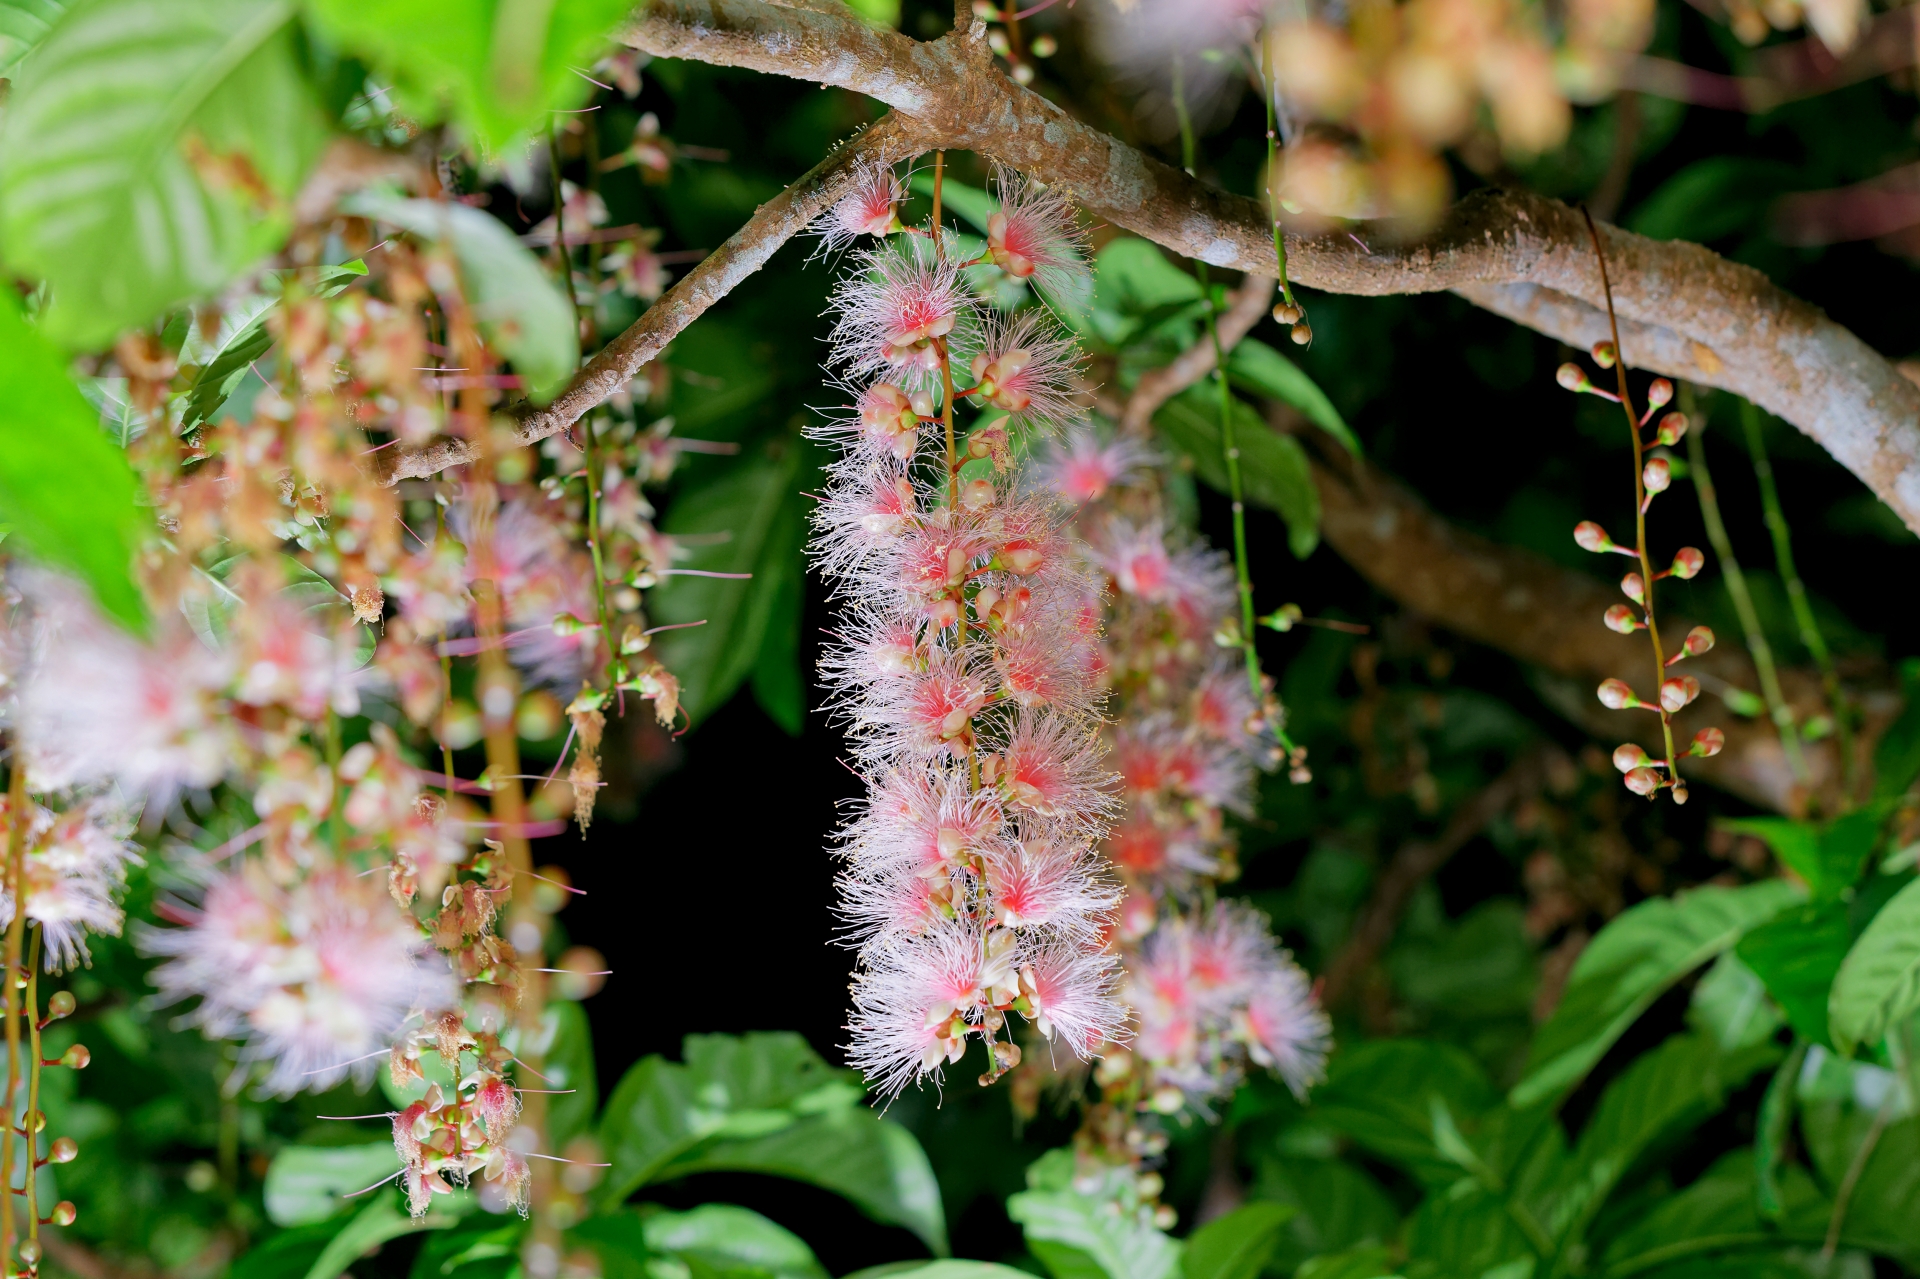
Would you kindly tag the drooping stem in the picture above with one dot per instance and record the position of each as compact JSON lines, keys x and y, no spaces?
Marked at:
{"x":31,"y":1126}
{"x":1756,"y":637}
{"x":1268,"y":88}
{"x":562,"y":256}
{"x":1816,"y":643}
{"x":1639,"y":516}
{"x":17,"y":827}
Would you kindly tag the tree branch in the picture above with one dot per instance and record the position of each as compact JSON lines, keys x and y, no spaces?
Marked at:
{"x":1245,"y":307}
{"x":1685,"y":311}
{"x":1526,"y":605}
{"x":778,"y":220}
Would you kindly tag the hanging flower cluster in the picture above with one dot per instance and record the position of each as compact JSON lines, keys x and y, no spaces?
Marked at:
{"x":1209,"y":988}
{"x":1646,"y":774}
{"x":967,"y":666}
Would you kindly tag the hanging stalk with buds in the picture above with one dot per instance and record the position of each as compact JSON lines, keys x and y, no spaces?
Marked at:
{"x":1645,"y":775}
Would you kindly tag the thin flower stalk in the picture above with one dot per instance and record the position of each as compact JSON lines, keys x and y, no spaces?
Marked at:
{"x":1644,"y":775}
{"x":1778,"y":709}
{"x":1797,"y":599}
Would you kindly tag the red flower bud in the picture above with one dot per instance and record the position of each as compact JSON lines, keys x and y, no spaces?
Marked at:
{"x":1687,"y":562}
{"x":1643,"y":781}
{"x":1660,"y":392}
{"x":64,"y":1213}
{"x":1021,"y":557}
{"x":1672,"y":428}
{"x":1603,"y":354}
{"x":1628,"y":757}
{"x":63,"y":1151}
{"x":1620,"y":618}
{"x":1657,"y":475}
{"x":1572,"y":377}
{"x":1699,"y":640}
{"x":1708,"y":742}
{"x":1616,"y":694}
{"x":1677,"y":691}
{"x":1592,"y":537}
{"x":76,"y":1057}
{"x":1634,"y":587}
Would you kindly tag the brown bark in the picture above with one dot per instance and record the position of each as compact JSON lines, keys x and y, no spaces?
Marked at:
{"x":1685,"y":311}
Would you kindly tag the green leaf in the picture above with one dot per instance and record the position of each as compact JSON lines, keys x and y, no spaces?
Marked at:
{"x":567,"y":1062}
{"x":480,"y":1247}
{"x":974,"y":205}
{"x":1830,"y":859}
{"x":1273,"y":469}
{"x":521,"y":312}
{"x":940,"y":1270}
{"x":500,"y":66}
{"x":23,"y":25}
{"x":1879,"y":982}
{"x":222,"y":375}
{"x":779,"y":685}
{"x":1731,"y":1004}
{"x":1797,"y":955}
{"x":1255,"y":366}
{"x":288,"y":1254}
{"x":732,"y":1239}
{"x":1369,"y":1261}
{"x":1468,"y":1231}
{"x":872,"y":1162}
{"x":1896,"y":759}
{"x":1382,"y":1093}
{"x":307,"y":1183}
{"x":1237,"y":1245}
{"x":374,"y":1225}
{"x":1630,"y":962}
{"x":758,"y":504}
{"x":1080,"y":1236}
{"x":1339,"y":1206}
{"x":1770,"y":1133}
{"x":149,"y":154}
{"x":65,"y":488}
{"x":1132,"y":276}
{"x":1713,"y":198}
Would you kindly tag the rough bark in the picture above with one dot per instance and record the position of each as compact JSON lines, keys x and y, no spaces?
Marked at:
{"x":1687,"y":312}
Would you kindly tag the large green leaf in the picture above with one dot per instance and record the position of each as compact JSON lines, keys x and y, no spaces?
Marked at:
{"x":309,"y":1183}
{"x":567,"y":1063}
{"x":501,"y":65}
{"x":766,"y":1103}
{"x":1273,"y":468}
{"x":1629,"y":963}
{"x":1339,"y":1206}
{"x":1797,"y":955}
{"x":1078,"y":1235}
{"x":65,"y":488}
{"x":1384,"y":1093}
{"x":372,"y":1226}
{"x":1879,"y":982}
{"x":730,"y":1239}
{"x":1257,"y":367}
{"x":1237,"y":1245}
{"x":1829,"y":858}
{"x":759,"y":506}
{"x":521,"y":312}
{"x":149,"y":153}
{"x":1730,"y":1003}
{"x":23,"y":25}
{"x":1469,"y":1231}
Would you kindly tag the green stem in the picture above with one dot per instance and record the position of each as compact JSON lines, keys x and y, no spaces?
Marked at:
{"x":562,"y":256}
{"x":1810,"y":635}
{"x":1267,"y":90}
{"x":1756,"y":637}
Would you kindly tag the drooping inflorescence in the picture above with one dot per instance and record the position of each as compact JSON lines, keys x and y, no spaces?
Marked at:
{"x":967,"y":659}
{"x":1646,"y":774}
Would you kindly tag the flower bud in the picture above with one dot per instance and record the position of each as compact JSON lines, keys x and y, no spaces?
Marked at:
{"x":1603,"y":354}
{"x":568,"y":624}
{"x":1617,"y":695}
{"x":64,"y":1213}
{"x":1659,"y":392}
{"x":60,"y":1005}
{"x":1628,"y":757}
{"x":1657,"y":475}
{"x":1699,"y":640}
{"x":1573,"y":377}
{"x":1676,"y":691}
{"x":63,"y":1150}
{"x":1592,"y":537}
{"x":977,"y":495}
{"x":1044,"y":46}
{"x":1672,"y":428}
{"x":1286,"y":313}
{"x":921,"y":402}
{"x":1301,"y":334}
{"x":76,"y":1057}
{"x":1620,"y":618}
{"x":1643,"y":781}
{"x":30,"y":1254}
{"x":1687,"y":562}
{"x":1634,"y":587}
{"x":1707,"y":743}
{"x":1679,"y":790}
{"x":1021,"y":557}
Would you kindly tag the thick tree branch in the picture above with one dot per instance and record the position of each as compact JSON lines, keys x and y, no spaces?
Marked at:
{"x":1686,"y":311}
{"x":1549,"y":616}
{"x":772,"y":225}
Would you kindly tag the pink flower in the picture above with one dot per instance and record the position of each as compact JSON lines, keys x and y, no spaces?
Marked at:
{"x":1081,"y":469}
{"x":1051,"y":766}
{"x":316,"y":974}
{"x":1028,"y":369}
{"x":870,"y":208}
{"x":1034,"y":883}
{"x":1033,"y":236}
{"x":892,"y":307}
{"x":540,"y":574}
{"x":76,"y":865}
{"x":1071,"y":990}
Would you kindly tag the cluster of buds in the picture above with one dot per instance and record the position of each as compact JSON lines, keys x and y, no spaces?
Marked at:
{"x":967,"y":661}
{"x":1647,"y":774}
{"x":450,"y":1136}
